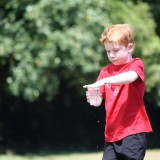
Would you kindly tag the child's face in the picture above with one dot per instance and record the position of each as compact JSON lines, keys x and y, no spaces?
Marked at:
{"x":119,"y":54}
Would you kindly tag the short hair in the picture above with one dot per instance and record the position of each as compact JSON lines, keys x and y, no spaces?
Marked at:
{"x":122,"y":34}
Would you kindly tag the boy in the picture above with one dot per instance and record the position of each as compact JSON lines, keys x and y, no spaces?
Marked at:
{"x":122,"y":85}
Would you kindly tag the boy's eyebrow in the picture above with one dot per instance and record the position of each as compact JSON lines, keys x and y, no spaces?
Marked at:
{"x":111,"y":48}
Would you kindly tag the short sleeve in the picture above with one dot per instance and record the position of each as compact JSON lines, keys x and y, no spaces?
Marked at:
{"x":138,"y":67}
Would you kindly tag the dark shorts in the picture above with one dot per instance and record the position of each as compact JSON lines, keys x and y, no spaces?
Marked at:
{"x":130,"y":148}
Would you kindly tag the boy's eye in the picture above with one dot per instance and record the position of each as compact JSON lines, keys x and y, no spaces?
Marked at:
{"x":113,"y":51}
{"x":108,"y":51}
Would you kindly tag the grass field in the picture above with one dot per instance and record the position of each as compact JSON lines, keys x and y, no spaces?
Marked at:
{"x":150,"y":155}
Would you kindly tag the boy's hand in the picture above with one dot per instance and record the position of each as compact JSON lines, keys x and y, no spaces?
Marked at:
{"x":96,"y":84}
{"x":93,"y":97}
{"x":88,"y":97}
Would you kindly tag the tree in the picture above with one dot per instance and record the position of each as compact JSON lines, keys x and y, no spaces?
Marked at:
{"x":46,"y":42}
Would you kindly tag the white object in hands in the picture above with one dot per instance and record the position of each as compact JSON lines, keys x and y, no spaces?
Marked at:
{"x":93,"y":96}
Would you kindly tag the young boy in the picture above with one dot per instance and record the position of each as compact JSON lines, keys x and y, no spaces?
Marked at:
{"x":122,"y":85}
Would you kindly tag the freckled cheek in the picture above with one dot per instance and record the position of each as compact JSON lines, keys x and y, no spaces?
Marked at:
{"x":107,"y":55}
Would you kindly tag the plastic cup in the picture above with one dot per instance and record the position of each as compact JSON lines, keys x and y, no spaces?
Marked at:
{"x":94,"y":96}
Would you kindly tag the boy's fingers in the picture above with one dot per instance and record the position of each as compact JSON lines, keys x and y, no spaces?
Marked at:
{"x":88,"y":86}
{"x":84,"y":86}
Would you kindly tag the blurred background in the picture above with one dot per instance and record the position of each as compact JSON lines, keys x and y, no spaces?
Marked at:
{"x":48,"y":50}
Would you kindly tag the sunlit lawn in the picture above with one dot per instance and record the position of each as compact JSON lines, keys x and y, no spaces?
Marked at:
{"x":150,"y":155}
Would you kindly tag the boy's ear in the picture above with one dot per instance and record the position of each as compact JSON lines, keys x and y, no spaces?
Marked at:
{"x":130,"y":47}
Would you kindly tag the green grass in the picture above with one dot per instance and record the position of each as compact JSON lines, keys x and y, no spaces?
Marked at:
{"x":150,"y":155}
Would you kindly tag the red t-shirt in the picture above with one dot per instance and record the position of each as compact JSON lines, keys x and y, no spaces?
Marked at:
{"x":124,"y":104}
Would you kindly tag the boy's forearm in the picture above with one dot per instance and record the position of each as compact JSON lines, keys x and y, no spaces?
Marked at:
{"x":123,"y":78}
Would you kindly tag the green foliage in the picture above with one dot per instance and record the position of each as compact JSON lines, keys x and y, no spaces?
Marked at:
{"x":46,"y":42}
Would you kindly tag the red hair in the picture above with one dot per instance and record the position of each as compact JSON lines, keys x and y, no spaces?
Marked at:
{"x":122,"y":34}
